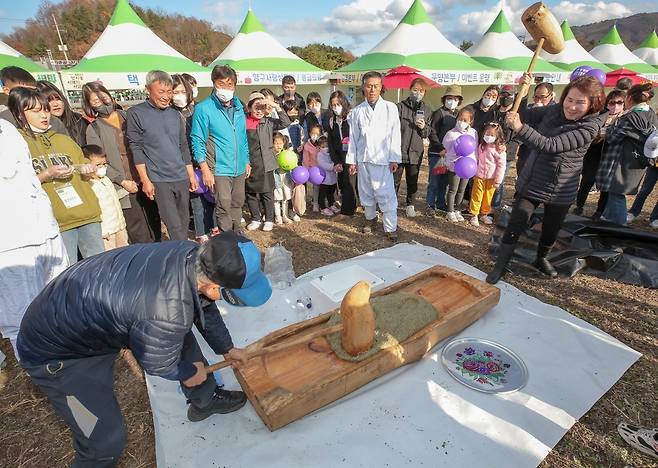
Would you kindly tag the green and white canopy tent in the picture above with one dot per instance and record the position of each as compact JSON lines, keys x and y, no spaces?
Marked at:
{"x":648,"y":50}
{"x":259,"y":59}
{"x":125,"y":52}
{"x":574,"y":55}
{"x":10,"y":57}
{"x":417,"y":43}
{"x":500,"y":48}
{"x":612,"y":52}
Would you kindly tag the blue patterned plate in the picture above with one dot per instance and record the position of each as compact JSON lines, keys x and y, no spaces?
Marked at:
{"x":484,"y":365}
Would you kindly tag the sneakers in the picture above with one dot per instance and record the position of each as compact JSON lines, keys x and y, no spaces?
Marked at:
{"x":392,"y":236}
{"x":202,"y":239}
{"x":630,"y":217}
{"x":327,"y":212}
{"x":214,"y":232}
{"x":654,"y":224}
{"x":411,"y":211}
{"x":278,"y":220}
{"x":578,"y":211}
{"x":335,"y":209}
{"x":296,"y":218}
{"x":452,"y":217}
{"x":222,"y":402}
{"x":459,"y":215}
{"x":506,"y":208}
{"x":287,"y":220}
{"x":252,"y":226}
{"x":488,"y":220}
{"x":316,"y":208}
{"x":369,"y":226}
{"x":474,"y":221}
{"x":430,"y":212}
{"x":267,"y":226}
{"x":242,"y":221}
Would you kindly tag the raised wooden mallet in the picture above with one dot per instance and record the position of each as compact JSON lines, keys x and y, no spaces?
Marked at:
{"x":544,"y":28}
{"x":357,"y":328}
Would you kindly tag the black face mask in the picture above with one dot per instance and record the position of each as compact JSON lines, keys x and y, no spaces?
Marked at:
{"x":104,"y":109}
{"x":507,"y":101}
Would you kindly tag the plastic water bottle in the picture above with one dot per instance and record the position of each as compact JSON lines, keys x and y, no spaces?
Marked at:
{"x":278,"y":267}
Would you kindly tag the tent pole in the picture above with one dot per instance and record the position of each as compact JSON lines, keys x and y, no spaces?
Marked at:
{"x":398,"y":94}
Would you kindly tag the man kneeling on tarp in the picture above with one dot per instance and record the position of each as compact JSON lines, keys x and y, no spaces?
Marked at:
{"x":144,"y":297}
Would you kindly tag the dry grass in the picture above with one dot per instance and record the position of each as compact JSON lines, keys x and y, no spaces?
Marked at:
{"x":32,"y":436}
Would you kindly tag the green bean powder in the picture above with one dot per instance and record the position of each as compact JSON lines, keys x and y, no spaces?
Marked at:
{"x":397,"y":317}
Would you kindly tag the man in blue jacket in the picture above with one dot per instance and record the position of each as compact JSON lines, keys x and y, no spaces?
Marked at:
{"x":145,"y":298}
{"x":220,"y":147}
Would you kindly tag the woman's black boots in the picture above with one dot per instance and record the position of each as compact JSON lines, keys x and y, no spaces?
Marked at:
{"x":505,"y":252}
{"x":541,"y":262}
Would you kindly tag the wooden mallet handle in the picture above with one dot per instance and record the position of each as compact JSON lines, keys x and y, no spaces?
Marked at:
{"x":281,"y":346}
{"x":526,"y":87}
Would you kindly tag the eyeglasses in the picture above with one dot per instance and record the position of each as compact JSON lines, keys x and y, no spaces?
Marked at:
{"x":616,"y":103}
{"x":545,"y":96}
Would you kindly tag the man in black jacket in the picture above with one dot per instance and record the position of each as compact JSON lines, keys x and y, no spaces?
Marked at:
{"x":145,"y":298}
{"x":289,"y":86}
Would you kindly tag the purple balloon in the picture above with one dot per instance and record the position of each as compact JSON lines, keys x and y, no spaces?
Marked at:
{"x":209,"y":196}
{"x":465,"y":145}
{"x":299,"y":175}
{"x":598,"y":74}
{"x":580,"y":71}
{"x":316,"y":175}
{"x":199,"y":179}
{"x":466,"y":168}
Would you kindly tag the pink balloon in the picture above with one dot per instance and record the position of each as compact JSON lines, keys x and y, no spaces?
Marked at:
{"x":466,"y":168}
{"x":299,"y":175}
{"x":316,"y":175}
{"x":465,"y":145}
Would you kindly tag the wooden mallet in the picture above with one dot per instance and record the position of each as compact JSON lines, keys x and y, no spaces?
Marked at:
{"x":544,"y":28}
{"x":357,"y":328}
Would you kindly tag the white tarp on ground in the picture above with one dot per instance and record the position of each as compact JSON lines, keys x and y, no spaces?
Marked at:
{"x":416,"y":415}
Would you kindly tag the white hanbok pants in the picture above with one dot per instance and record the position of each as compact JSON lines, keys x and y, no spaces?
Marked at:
{"x":376,"y":187}
{"x":23,"y":274}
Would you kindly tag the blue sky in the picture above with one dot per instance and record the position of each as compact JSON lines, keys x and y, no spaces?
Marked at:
{"x":359,"y":24}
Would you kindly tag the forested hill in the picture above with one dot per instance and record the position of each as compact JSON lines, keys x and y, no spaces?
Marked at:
{"x":82,"y":21}
{"x":632,"y":29}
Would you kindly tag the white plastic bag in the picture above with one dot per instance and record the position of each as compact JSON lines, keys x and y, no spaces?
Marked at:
{"x":278,"y":267}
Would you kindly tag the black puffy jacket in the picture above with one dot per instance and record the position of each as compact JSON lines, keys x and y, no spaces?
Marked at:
{"x":142,"y":297}
{"x":558,"y":145}
{"x":411,"y":135}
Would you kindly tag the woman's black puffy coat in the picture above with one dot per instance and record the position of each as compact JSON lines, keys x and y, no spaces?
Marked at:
{"x":558,"y":145}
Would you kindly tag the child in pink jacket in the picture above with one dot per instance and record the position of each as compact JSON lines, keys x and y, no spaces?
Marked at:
{"x":310,"y":159}
{"x":491,"y":170}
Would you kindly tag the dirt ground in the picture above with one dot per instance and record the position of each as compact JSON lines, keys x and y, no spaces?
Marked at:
{"x":32,"y":436}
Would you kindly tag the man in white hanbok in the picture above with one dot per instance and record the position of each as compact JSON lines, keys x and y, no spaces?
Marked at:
{"x":374,"y":152}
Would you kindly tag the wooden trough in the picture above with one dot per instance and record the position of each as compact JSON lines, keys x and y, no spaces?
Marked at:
{"x":287,"y":385}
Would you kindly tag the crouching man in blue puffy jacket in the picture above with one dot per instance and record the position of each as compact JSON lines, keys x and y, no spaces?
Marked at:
{"x":144,"y":297}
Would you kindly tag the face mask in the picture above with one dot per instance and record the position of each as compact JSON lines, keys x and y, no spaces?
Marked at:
{"x":224,"y":95}
{"x":290,"y":94}
{"x":293,"y":117}
{"x":451,"y":104}
{"x":338,"y":110}
{"x":489,"y":139}
{"x":461,"y":125}
{"x":488,"y":102}
{"x":314,"y":138}
{"x":316,"y":108}
{"x":416,"y":96}
{"x":507,"y":101}
{"x":180,"y":100}
{"x":195,"y":92}
{"x":104,"y":109}
{"x":539,"y":104}
{"x":101,"y":172}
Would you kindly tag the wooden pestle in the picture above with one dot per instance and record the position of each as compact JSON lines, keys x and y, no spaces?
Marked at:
{"x":357,"y":328}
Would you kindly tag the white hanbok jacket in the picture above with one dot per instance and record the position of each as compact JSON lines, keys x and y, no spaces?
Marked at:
{"x":374,"y":134}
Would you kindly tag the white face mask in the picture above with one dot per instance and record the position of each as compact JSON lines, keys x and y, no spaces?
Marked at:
{"x":539,"y":104}
{"x":338,"y":110}
{"x":224,"y":95}
{"x":488,"y":102}
{"x":451,"y":104}
{"x":180,"y":100}
{"x":101,"y":172}
{"x":314,"y":138}
{"x":417,"y":96}
{"x":195,"y":92}
{"x":461,"y":125}
{"x":316,"y":108}
{"x":38,"y":130}
{"x":489,"y":139}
